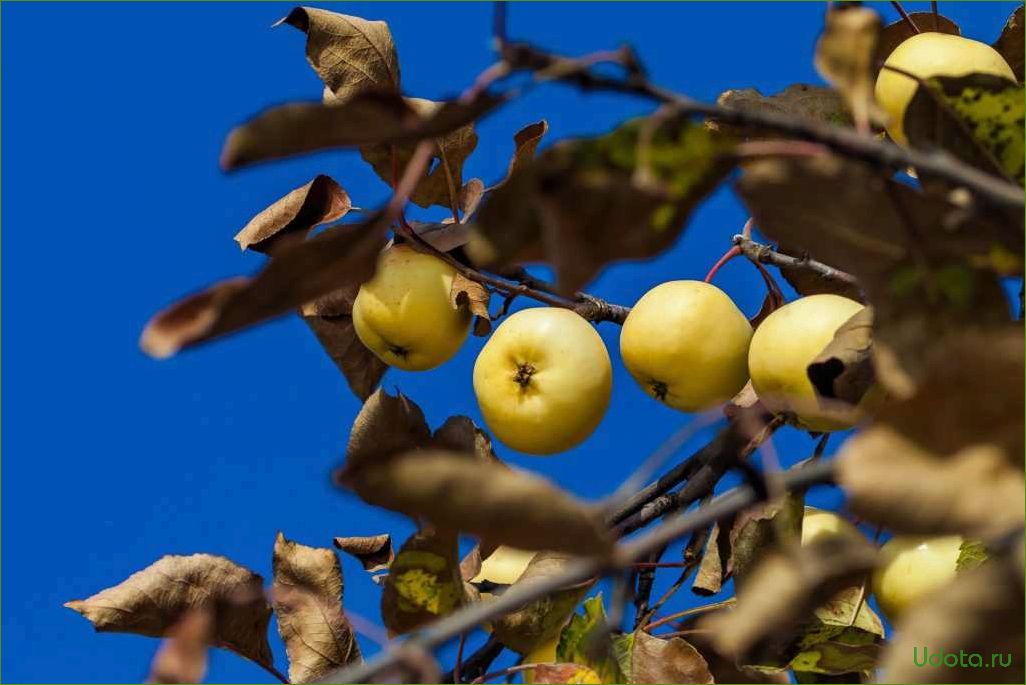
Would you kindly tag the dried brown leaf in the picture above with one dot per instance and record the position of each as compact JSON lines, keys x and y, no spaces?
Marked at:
{"x":525,"y":143}
{"x":374,"y":552}
{"x":977,"y":615}
{"x":893,"y":482}
{"x":470,"y":565}
{"x":564,"y":673}
{"x":844,"y":58}
{"x":350,"y":54}
{"x":656,"y":660}
{"x":386,"y":425}
{"x":712,"y":571}
{"x":320,"y":201}
{"x":470,"y":196}
{"x":782,"y":592}
{"x":1010,"y":43}
{"x":475,"y":297}
{"x":801,"y":100}
{"x":150,"y":602}
{"x":182,"y":657}
{"x":897,"y":32}
{"x":482,"y":498}
{"x":760,"y":529}
{"x":423,"y":582}
{"x":369,"y":118}
{"x":461,"y":434}
{"x":307,"y":596}
{"x":297,"y":274}
{"x":844,"y":369}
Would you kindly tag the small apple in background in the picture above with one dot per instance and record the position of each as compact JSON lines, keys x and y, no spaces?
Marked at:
{"x":543,"y":380}
{"x":927,"y":55}
{"x":819,"y":525}
{"x":912,"y":567}
{"x":782,"y":348}
{"x":404,"y":316}
{"x":686,"y":344}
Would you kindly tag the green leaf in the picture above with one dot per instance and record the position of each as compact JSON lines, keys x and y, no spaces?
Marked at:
{"x":584,"y":641}
{"x":971,"y":554}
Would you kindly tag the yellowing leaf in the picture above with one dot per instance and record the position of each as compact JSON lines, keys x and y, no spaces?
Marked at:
{"x":423,"y":582}
{"x":152,"y":601}
{"x":307,"y":596}
{"x":350,"y":54}
{"x":586,"y":641}
{"x":320,"y":201}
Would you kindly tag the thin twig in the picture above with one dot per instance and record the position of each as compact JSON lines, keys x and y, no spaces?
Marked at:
{"x":506,"y":671}
{"x":478,"y":662}
{"x":704,"y":609}
{"x":765,"y":254}
{"x":692,"y":558}
{"x":905,"y":16}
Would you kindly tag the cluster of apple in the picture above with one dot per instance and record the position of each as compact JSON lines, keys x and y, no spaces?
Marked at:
{"x":543,"y":380}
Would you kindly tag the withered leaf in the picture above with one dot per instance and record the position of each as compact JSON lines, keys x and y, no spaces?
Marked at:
{"x":782,"y":592}
{"x":801,"y":100}
{"x":1010,"y":43}
{"x":897,"y":32}
{"x":350,"y":54}
{"x":977,"y":118}
{"x":307,"y":596}
{"x":331,"y":319}
{"x":320,"y":201}
{"x":712,"y":571}
{"x":475,"y":297}
{"x":374,"y":552}
{"x":657,"y":660}
{"x":299,"y":273}
{"x":725,"y":669}
{"x":182,"y":657}
{"x":844,"y":57}
{"x":564,"y":673}
{"x":584,"y":203}
{"x":482,"y":498}
{"x":386,"y":425}
{"x":761,"y":528}
{"x":525,"y":143}
{"x":423,"y":582}
{"x":461,"y":434}
{"x":893,"y":482}
{"x":446,"y":168}
{"x":540,"y":621}
{"x":585,"y":640}
{"x":977,"y":615}
{"x":470,"y":196}
{"x":368,"y":118}
{"x":844,"y":369}
{"x":150,"y":602}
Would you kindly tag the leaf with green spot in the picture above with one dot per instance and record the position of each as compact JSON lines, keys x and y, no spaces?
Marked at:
{"x":423,"y":582}
{"x":585,"y":641}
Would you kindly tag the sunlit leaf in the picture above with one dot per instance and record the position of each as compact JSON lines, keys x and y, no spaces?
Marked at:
{"x":374,"y":552}
{"x":423,"y":582}
{"x":320,"y":201}
{"x":844,"y":57}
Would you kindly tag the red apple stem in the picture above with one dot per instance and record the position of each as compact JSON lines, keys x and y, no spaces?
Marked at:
{"x":727,"y":256}
{"x":905,"y":15}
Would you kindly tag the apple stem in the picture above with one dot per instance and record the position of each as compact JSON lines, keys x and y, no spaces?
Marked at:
{"x":906,"y":17}
{"x":727,"y":256}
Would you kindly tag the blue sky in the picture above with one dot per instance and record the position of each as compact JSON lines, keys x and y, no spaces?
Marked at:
{"x":114,"y":206}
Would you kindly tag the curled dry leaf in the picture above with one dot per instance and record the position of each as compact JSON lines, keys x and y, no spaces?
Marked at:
{"x":182,"y":657}
{"x":712,"y":571}
{"x":475,"y":297}
{"x":844,"y":57}
{"x":368,"y":118}
{"x":525,"y":143}
{"x":470,"y":196}
{"x":307,"y":597}
{"x":1010,"y":43}
{"x":461,"y":434}
{"x":564,"y":673}
{"x":783,"y":592}
{"x":844,"y":369}
{"x":150,"y":602}
{"x":482,"y":498}
{"x":893,"y":482}
{"x":331,"y":319}
{"x":758,"y":530}
{"x":657,"y":660}
{"x":977,"y":118}
{"x":374,"y":552}
{"x":897,"y":32}
{"x":540,"y":621}
{"x":297,"y":274}
{"x":320,"y":201}
{"x":386,"y":425}
{"x":350,"y":54}
{"x":584,"y":203}
{"x":423,"y":582}
{"x":801,"y":100}
{"x":951,"y":636}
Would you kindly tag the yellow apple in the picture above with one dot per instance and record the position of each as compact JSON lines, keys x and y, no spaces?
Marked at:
{"x":912,"y":567}
{"x":784,"y":345}
{"x":404,"y":315}
{"x":819,"y":525}
{"x":927,"y":55}
{"x":504,"y":566}
{"x":543,"y":380}
{"x":686,"y":344}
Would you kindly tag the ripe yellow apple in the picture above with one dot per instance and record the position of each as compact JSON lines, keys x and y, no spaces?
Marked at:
{"x":927,"y":55}
{"x":543,"y":380}
{"x":686,"y":344}
{"x":912,"y":567}
{"x":504,"y":566}
{"x":783,"y":346}
{"x":404,"y":315}
{"x":818,"y":525}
